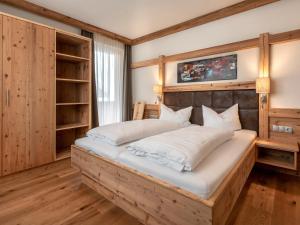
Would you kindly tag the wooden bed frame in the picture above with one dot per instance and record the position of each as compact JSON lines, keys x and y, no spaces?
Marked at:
{"x":153,"y":201}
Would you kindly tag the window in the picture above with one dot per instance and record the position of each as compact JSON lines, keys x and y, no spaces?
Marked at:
{"x":109,"y":63}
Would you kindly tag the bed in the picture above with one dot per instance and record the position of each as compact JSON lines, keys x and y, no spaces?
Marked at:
{"x":158,"y":198}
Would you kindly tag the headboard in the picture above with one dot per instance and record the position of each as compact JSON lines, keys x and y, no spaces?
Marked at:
{"x":218,"y":101}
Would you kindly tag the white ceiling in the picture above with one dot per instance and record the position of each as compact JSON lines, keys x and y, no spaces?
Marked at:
{"x":134,"y":18}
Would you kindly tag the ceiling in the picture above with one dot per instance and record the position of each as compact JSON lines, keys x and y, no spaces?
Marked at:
{"x":134,"y":18}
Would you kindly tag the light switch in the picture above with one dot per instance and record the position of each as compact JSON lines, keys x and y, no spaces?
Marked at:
{"x":281,"y":129}
{"x":275,"y":128}
{"x":289,"y":130}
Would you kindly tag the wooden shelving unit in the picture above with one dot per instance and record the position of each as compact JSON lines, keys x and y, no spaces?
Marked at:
{"x":277,"y":154}
{"x":73,"y":90}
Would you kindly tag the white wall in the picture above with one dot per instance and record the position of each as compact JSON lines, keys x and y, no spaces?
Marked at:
{"x":274,"y":18}
{"x":38,"y":19}
{"x":285,"y":75}
{"x":143,"y":80}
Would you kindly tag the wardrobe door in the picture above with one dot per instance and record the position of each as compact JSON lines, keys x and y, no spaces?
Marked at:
{"x":42,"y":97}
{"x":28,"y":81}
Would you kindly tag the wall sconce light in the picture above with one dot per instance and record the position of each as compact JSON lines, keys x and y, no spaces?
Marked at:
{"x":157,"y":89}
{"x":263,"y":88}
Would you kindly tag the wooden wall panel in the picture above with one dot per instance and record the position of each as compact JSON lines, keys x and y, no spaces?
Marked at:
{"x":285,"y":117}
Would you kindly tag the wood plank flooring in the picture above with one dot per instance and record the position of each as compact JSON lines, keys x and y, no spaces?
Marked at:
{"x":53,"y":195}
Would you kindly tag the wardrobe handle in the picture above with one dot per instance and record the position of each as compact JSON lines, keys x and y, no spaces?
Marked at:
{"x":7,"y":97}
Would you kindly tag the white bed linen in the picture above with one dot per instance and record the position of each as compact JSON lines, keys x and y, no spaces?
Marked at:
{"x":124,"y":132}
{"x":100,"y":148}
{"x":182,"y":149}
{"x":207,"y":176}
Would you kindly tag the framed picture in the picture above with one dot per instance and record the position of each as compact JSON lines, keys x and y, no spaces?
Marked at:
{"x":220,"y":68}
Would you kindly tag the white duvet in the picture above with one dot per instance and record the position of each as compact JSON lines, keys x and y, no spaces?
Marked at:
{"x":182,"y":149}
{"x":121,"y":133}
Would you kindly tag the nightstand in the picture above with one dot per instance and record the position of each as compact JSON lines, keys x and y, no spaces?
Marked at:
{"x":277,"y":154}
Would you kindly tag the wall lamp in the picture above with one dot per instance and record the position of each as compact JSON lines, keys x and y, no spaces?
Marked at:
{"x":263,"y":88}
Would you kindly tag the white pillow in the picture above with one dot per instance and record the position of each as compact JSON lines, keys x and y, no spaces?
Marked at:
{"x":229,"y":119}
{"x":181,"y":116}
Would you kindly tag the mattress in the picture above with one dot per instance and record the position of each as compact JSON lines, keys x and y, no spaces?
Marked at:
{"x":207,"y":176}
{"x":202,"y":181}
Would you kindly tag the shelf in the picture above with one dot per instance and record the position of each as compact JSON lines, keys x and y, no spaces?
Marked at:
{"x":71,"y":103}
{"x":64,"y":37}
{"x":292,"y":147}
{"x":72,"y":80}
{"x":70,"y":126}
{"x":277,"y":154}
{"x":70,"y":58}
{"x":269,"y":160}
{"x":63,"y":153}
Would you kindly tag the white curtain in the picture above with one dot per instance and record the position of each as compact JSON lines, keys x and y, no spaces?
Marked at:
{"x":109,"y":63}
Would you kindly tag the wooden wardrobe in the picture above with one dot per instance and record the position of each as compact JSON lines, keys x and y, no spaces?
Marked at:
{"x":28,"y":92}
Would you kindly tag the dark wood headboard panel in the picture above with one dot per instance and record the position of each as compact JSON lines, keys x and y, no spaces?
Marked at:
{"x":218,"y":101}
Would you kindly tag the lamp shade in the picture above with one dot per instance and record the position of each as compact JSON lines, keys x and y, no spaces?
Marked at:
{"x":157,"y":89}
{"x":263,"y":85}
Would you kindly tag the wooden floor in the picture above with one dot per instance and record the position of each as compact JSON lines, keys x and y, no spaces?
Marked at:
{"x":53,"y":195}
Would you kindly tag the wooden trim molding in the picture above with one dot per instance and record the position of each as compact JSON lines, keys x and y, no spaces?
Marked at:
{"x":162,"y":73}
{"x":211,"y":86}
{"x":161,"y":70}
{"x":293,"y":35}
{"x":264,"y":51}
{"x":216,"y":15}
{"x":284,"y":113}
{"x":42,"y":11}
{"x":150,"y":62}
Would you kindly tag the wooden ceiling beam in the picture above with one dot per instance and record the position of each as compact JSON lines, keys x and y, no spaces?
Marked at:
{"x":216,"y":15}
{"x":36,"y":9}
